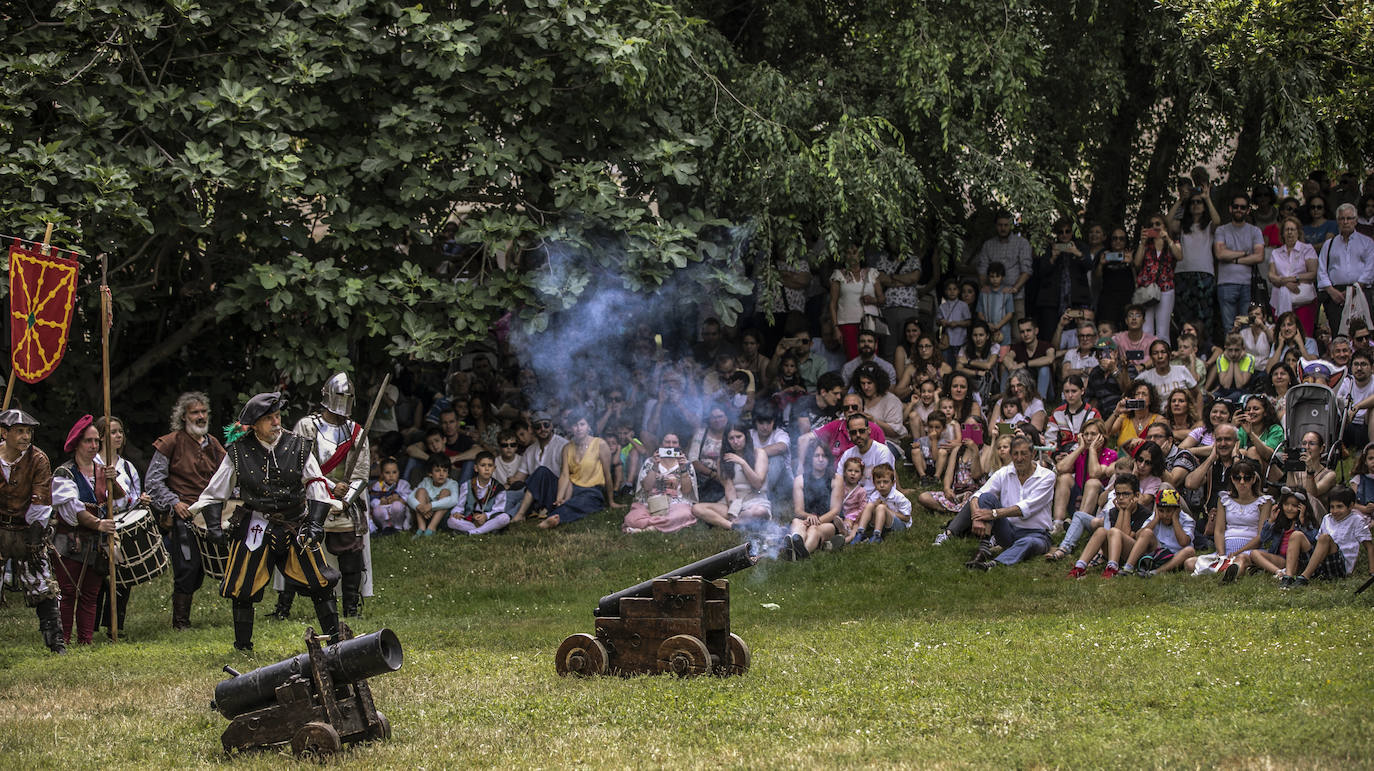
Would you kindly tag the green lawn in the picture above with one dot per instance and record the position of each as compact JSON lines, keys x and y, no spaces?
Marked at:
{"x":883,"y":655}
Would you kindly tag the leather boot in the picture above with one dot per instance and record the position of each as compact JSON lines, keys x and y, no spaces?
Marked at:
{"x":327,"y":611}
{"x":243,"y":626}
{"x":181,"y":611}
{"x":51,"y":626}
{"x":285,"y":598}
{"x":352,"y":595}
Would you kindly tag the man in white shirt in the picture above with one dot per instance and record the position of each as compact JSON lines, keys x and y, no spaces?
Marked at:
{"x":870,"y":452}
{"x":543,"y":462}
{"x":1344,"y":260}
{"x":1013,"y":509}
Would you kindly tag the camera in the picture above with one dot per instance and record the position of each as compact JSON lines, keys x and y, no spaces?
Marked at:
{"x":669,"y":452}
{"x":1150,"y":233}
{"x":1133,"y":404}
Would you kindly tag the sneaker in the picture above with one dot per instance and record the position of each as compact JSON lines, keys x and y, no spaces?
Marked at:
{"x":1286,"y":582}
{"x":1300,"y":581}
{"x":1126,"y":570}
{"x":877,"y":538}
{"x":1109,"y":572}
{"x":799,"y":550}
{"x":983,"y":565}
{"x":1078,"y":572}
{"x":941,"y":537}
{"x":1146,"y":563}
{"x":1232,"y":571}
{"x":1145,"y":573}
{"x":835,"y":543}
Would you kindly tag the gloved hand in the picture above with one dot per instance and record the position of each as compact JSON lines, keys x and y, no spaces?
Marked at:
{"x":213,"y":532}
{"x":36,"y":537}
{"x":312,"y":530}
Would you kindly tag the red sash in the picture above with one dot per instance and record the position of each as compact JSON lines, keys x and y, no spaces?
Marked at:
{"x":340,"y":452}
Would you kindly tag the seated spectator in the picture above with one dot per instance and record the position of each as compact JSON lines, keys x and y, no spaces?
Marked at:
{"x":1313,"y":474}
{"x":1337,"y":549}
{"x":1033,"y":355}
{"x":1080,"y":360}
{"x":1164,"y":376}
{"x":1186,"y":356}
{"x":925,"y":403}
{"x":481,"y":501}
{"x":1238,"y":514}
{"x":1083,"y":474}
{"x":921,"y":366}
{"x":708,"y":445}
{"x":1260,"y":431}
{"x":1293,"y":514}
{"x":811,"y":411}
{"x":1013,"y":509}
{"x":1230,"y":377}
{"x":777,"y":445}
{"x":751,"y":360}
{"x":1180,"y":413}
{"x":814,"y":520}
{"x":665,"y":491}
{"x":1122,"y":522}
{"x":881,"y":406}
{"x":835,"y":434}
{"x":542,"y":464}
{"x":979,"y":357}
{"x":849,"y":497}
{"x":419,"y":453}
{"x":1106,"y":381}
{"x":926,"y":455}
{"x":1134,"y":343}
{"x":1357,"y":390}
{"x":584,"y":483}
{"x":1021,"y":391}
{"x":1200,"y":439}
{"x":1068,"y":419}
{"x":628,"y":455}
{"x":963,"y":475}
{"x":1164,"y":543}
{"x":872,"y":452}
{"x":744,"y":472}
{"x":1132,"y":415}
{"x":886,"y":509}
{"x":509,"y":465}
{"x":1362,"y":482}
{"x":868,"y":354}
{"x":386,"y":499}
{"x":434,"y":497}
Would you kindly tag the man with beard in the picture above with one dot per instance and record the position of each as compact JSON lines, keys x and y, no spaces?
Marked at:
{"x":25,"y":508}
{"x":868,"y":347}
{"x":183,"y":462}
{"x":279,"y":525}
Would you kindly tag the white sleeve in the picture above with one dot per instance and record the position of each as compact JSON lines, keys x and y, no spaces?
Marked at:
{"x":317,"y":488}
{"x":902,"y":504}
{"x":66,"y":499}
{"x":220,"y":486}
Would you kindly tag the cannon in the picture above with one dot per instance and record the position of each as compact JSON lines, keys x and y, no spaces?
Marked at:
{"x":317,"y":701}
{"x":678,"y":623}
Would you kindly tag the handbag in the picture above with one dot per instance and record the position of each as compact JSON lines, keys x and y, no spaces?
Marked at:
{"x":1146,"y":296}
{"x":873,"y":323}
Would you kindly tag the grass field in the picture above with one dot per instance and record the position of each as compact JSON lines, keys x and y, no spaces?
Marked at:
{"x":889,"y":655}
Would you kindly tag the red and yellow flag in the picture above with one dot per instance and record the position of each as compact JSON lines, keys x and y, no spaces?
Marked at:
{"x":42,"y":296}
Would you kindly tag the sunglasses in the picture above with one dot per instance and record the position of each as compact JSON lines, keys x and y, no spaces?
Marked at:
{"x":851,"y":408}
{"x":1317,"y":207}
{"x":544,"y":424}
{"x":1243,"y":477}
{"x":857,"y":431}
{"x":1239,"y":206}
{"x":509,"y":444}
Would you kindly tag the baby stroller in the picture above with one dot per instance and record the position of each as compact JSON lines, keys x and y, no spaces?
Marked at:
{"x":1311,"y":407}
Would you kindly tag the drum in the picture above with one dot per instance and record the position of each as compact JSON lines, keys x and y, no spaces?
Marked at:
{"x":142,"y":555}
{"x":214,"y":559}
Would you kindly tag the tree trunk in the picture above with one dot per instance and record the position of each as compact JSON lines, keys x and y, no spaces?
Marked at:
{"x":167,"y":348}
{"x":1156,"y":190}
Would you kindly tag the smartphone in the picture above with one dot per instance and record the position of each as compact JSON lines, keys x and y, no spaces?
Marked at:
{"x":1005,"y":429}
{"x":973,"y":433}
{"x":1133,"y":404}
{"x":1150,"y":233}
{"x":1135,"y":356}
{"x":1113,"y":257}
{"x":1074,"y":313}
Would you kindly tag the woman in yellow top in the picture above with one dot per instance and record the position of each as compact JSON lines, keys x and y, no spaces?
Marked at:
{"x":1127,"y":422}
{"x":584,"y":485}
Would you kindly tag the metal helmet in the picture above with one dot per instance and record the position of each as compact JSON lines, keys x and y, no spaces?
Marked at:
{"x":337,"y":395}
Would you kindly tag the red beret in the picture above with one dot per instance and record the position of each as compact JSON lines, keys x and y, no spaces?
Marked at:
{"x":74,"y":436}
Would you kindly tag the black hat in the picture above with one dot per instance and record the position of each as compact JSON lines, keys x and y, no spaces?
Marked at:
{"x":17,"y":417}
{"x":260,"y":405}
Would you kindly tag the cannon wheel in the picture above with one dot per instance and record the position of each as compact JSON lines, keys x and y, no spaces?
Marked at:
{"x":315,"y":741}
{"x":382,"y":730}
{"x":738,"y":657}
{"x":684,"y":655}
{"x":581,"y":654}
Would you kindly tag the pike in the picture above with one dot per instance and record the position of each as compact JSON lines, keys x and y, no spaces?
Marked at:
{"x":355,"y":490}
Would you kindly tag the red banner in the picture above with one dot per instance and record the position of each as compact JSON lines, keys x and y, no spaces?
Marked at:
{"x":42,"y":296}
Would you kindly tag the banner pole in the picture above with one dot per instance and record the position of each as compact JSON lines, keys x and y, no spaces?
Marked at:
{"x":9,"y":387}
{"x":109,"y":436}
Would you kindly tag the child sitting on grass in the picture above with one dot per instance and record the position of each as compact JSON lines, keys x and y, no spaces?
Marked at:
{"x":886,"y":510}
{"x":1119,"y":532}
{"x":434,"y":496}
{"x":1165,"y":542}
{"x":386,"y":499}
{"x":481,"y":501}
{"x":851,"y":497}
{"x":627,"y":458}
{"x":926,"y":449}
{"x":1337,"y":549}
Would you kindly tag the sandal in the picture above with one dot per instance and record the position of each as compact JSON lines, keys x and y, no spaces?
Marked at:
{"x":1056,"y":555}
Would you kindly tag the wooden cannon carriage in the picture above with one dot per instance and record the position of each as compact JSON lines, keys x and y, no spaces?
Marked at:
{"x":317,"y":701}
{"x":677,"y":623}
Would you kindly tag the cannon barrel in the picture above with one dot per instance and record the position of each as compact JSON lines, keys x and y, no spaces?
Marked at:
{"x":362,"y":657}
{"x":711,"y":568}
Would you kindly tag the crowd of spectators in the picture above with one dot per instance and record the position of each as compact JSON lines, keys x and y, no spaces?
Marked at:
{"x":1085,"y":396}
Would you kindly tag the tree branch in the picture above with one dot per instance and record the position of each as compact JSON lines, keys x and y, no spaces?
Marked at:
{"x":151,"y":358}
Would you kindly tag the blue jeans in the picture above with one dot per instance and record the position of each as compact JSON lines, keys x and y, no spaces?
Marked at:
{"x":1079,"y":525}
{"x":1234,"y":300}
{"x":1019,"y":543}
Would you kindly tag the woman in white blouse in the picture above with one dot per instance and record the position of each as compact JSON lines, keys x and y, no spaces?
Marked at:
{"x":1293,"y":274}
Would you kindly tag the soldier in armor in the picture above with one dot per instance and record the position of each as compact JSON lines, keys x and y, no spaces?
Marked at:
{"x":183,"y":462}
{"x":342,"y":451}
{"x":280,"y":523}
{"x":25,"y":509}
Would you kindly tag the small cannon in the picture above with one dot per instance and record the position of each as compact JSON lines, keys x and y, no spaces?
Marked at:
{"x":316,"y":701}
{"x":678,"y":622}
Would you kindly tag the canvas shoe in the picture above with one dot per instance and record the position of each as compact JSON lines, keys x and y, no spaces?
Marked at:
{"x":1109,"y":572}
{"x":1078,"y":572}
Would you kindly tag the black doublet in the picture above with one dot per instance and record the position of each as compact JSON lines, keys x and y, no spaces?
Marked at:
{"x":272,"y":482}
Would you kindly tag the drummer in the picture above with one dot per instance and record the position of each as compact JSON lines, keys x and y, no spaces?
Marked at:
{"x":79,"y":491}
{"x":134,"y":497}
